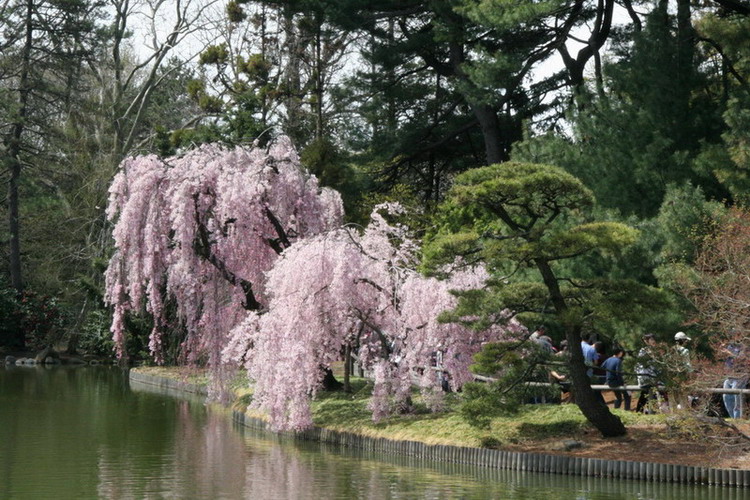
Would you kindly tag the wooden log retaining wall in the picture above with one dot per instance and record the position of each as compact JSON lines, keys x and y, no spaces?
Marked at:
{"x":521,"y":461}
{"x":497,"y":459}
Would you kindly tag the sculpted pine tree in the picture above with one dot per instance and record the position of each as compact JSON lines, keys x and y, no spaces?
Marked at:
{"x":525,"y":221}
{"x":203,"y":229}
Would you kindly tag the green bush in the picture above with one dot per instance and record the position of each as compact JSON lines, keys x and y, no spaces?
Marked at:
{"x":29,"y":320}
{"x":94,"y":336}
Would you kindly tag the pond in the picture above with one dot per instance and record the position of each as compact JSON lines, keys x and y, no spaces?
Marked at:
{"x":86,"y":433}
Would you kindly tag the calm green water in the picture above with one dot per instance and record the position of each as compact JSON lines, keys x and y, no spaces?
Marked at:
{"x":85,"y":433}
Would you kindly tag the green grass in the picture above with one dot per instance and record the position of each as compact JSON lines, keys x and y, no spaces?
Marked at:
{"x":348,"y":412}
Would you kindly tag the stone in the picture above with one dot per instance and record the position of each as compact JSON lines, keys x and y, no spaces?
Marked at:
{"x":567,"y":445}
{"x":49,"y":360}
{"x":45,"y":353}
{"x":29,"y":361}
{"x":572,"y":444}
{"x":10,"y":360}
{"x":20,"y":361}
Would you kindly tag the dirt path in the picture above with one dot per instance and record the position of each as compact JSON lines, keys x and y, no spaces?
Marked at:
{"x":683,"y":441}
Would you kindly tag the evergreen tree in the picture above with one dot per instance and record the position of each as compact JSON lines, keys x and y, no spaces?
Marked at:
{"x":524,"y":222}
{"x":45,"y":45}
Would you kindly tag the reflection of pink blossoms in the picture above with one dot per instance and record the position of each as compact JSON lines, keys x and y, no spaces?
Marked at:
{"x":345,"y":288}
{"x":204,"y":228}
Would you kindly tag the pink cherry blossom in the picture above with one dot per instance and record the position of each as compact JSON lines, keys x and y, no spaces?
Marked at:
{"x":345,"y":288}
{"x":203,"y":229}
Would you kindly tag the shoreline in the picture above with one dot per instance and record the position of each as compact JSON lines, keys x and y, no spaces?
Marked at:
{"x":483,"y":457}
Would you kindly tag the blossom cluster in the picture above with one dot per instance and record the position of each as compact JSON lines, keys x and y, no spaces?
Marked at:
{"x":203,"y":229}
{"x":343,"y":288}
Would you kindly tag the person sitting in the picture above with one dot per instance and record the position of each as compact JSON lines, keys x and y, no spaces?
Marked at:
{"x":542,"y":340}
{"x":613,"y":377}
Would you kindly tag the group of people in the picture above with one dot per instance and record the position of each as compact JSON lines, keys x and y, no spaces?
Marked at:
{"x":654,"y":361}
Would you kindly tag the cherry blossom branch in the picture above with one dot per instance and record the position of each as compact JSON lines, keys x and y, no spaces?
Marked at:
{"x":202,"y":247}
{"x":282,"y":242}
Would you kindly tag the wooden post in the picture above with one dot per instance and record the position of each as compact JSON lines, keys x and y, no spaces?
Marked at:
{"x":347,"y":367}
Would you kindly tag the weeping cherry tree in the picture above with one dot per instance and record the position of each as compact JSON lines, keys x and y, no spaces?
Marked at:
{"x":202,"y":229}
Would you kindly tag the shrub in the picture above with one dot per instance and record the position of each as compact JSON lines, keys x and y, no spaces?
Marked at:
{"x":29,"y":320}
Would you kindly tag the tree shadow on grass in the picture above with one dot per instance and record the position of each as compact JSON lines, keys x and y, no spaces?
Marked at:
{"x":339,"y":412}
{"x":360,"y":389}
{"x":561,"y":428}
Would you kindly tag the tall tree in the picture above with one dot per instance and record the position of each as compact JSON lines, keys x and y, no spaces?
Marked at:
{"x":650,"y":125}
{"x":275,"y":64}
{"x":44,"y":48}
{"x":525,"y":221}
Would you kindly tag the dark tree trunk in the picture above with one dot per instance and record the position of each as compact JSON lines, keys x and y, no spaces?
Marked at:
{"x":319,"y":68}
{"x":491,"y":133}
{"x":14,"y":154}
{"x":685,"y":55}
{"x":14,"y":226}
{"x":14,"y":148}
{"x":592,"y":407}
{"x":347,"y":368}
{"x":330,"y":383}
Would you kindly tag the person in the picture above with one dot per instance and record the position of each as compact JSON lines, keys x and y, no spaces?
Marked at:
{"x":589,"y":354}
{"x":681,"y":340}
{"x":613,"y":377}
{"x":548,"y":340}
{"x":557,"y":375}
{"x":734,"y":380}
{"x":542,"y":340}
{"x":540,"y":373}
{"x":646,"y":372}
{"x":599,"y":357}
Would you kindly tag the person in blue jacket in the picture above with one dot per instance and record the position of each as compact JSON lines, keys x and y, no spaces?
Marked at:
{"x":614,"y":378}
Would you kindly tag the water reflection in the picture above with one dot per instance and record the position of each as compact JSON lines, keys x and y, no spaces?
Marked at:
{"x":83,"y":433}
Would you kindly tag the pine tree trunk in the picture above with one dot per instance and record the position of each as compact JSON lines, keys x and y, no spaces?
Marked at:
{"x":685,"y":56}
{"x":491,"y":132}
{"x":590,"y":404}
{"x":592,"y":407}
{"x":14,"y":154}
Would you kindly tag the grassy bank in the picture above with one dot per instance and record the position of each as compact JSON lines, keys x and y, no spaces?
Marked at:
{"x":531,"y":424}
